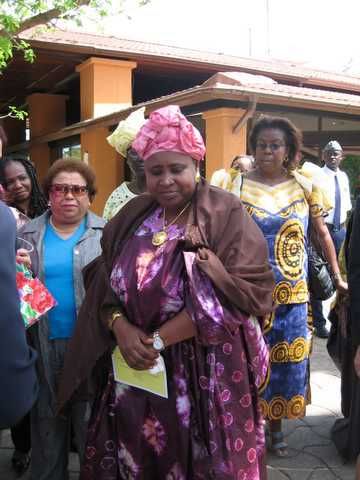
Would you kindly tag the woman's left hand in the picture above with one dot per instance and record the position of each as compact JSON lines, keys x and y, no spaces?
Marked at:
{"x":23,"y":257}
{"x":341,"y":286}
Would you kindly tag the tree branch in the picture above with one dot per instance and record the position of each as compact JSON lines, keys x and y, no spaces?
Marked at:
{"x":42,"y":18}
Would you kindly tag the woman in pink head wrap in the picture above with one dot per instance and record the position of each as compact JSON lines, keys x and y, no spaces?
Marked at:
{"x":167,"y":130}
{"x":183,"y":276}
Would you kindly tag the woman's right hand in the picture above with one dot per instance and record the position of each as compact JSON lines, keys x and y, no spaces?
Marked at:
{"x":130,"y":340}
{"x":341,"y":286}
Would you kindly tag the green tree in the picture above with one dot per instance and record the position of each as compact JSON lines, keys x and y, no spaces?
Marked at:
{"x":16,"y":16}
{"x":351,"y":165}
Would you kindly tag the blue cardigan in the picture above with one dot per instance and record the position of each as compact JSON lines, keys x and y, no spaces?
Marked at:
{"x":18,"y":383}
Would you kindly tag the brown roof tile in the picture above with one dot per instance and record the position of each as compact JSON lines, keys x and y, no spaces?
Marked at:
{"x":100,"y":44}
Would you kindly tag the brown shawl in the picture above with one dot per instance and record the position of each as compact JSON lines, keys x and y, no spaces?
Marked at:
{"x":231,"y":250}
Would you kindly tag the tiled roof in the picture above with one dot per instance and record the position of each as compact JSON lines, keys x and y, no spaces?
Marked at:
{"x":291,"y":92}
{"x":112,"y":46}
{"x":266,"y":94}
{"x":311,"y":98}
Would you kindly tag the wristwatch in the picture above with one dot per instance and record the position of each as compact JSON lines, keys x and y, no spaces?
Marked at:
{"x":158,"y":342}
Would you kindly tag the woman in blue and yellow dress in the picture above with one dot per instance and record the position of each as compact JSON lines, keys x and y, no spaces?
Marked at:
{"x":282,"y":200}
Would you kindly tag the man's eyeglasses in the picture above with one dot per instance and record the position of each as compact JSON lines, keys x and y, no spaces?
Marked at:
{"x":273,"y":146}
{"x":64,"y":189}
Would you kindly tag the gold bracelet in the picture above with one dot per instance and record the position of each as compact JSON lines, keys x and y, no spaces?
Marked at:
{"x":113,"y":319}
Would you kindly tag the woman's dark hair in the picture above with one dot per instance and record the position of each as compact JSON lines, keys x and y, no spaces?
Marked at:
{"x":38,"y":203}
{"x":293,"y":137}
{"x":70,"y":165}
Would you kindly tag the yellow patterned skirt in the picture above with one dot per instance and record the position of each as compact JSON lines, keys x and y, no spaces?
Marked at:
{"x":286,"y":391}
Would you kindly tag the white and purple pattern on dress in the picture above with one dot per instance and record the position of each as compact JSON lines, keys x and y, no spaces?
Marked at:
{"x":210,"y":427}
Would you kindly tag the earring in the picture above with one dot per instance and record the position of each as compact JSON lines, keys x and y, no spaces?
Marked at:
{"x":49,"y":204}
{"x":197,"y":175}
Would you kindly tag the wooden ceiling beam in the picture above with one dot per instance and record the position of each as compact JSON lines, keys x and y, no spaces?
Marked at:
{"x":348,"y":138}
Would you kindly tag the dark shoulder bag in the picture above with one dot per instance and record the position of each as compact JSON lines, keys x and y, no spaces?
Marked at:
{"x":320,"y":282}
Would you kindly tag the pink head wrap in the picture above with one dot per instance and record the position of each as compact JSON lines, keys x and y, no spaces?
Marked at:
{"x":168,"y":130}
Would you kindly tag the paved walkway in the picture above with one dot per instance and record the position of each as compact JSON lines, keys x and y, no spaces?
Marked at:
{"x":311,"y":454}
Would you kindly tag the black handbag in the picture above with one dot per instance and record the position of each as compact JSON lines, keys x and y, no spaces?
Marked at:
{"x":320,"y":282}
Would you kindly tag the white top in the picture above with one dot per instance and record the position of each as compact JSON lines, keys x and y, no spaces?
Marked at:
{"x":344,"y":193}
{"x":21,"y":218}
{"x":119,"y":197}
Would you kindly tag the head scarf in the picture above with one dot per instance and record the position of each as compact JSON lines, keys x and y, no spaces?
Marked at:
{"x":168,"y":130}
{"x":333,"y":145}
{"x":124,"y":134}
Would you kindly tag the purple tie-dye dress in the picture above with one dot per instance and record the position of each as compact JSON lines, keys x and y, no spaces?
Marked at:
{"x":210,"y":426}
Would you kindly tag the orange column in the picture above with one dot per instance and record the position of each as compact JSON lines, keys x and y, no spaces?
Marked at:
{"x":107,"y":163}
{"x":222,"y":145}
{"x":47,"y":114}
{"x":105,"y":86}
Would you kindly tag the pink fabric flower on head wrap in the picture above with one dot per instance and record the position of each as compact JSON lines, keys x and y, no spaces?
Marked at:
{"x":168,"y":130}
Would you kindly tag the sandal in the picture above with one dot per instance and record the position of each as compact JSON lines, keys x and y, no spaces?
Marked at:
{"x":278,"y":446}
{"x":20,"y":462}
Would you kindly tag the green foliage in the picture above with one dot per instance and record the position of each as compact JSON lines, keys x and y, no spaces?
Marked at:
{"x":16,"y":113}
{"x":6,"y":47}
{"x":17,"y":16}
{"x":351,"y":165}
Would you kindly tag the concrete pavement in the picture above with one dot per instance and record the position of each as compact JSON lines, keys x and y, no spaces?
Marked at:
{"x":312,"y":456}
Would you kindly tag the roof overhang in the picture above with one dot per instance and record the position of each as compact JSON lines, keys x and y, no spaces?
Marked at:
{"x":199,"y":99}
{"x":175,"y":57}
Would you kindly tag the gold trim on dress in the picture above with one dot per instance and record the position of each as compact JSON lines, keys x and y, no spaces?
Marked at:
{"x":285,"y":293}
{"x":256,"y":211}
{"x":273,"y":200}
{"x":282,"y":293}
{"x":268,"y":322}
{"x":265,"y":381}
{"x":279,"y":408}
{"x":295,"y":352}
{"x":299,"y":207}
{"x":289,"y":249}
{"x":264,"y":407}
{"x":296,"y":407}
{"x":300,"y":292}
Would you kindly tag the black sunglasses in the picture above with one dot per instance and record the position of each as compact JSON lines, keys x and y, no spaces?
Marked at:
{"x":64,"y":189}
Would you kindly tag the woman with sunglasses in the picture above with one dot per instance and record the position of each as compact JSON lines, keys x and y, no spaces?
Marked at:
{"x":65,"y":239}
{"x":282,"y":200}
{"x":23,"y":194}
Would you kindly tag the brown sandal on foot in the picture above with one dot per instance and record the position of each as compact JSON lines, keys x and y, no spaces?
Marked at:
{"x":278,"y":446}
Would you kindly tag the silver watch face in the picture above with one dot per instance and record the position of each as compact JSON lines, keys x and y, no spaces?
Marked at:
{"x":158,"y":344}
